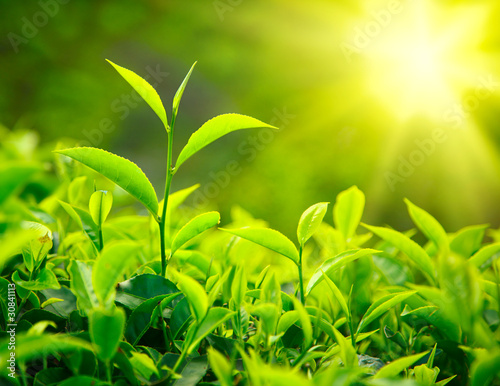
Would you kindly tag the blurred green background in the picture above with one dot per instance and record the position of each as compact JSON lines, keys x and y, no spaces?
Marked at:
{"x":400,"y":98}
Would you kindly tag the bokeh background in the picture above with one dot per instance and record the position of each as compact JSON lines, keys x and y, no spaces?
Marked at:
{"x":400,"y":98}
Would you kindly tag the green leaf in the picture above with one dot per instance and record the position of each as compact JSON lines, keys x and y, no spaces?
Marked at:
{"x":44,"y":279}
{"x":50,"y":301}
{"x":221,"y":367}
{"x":338,"y":295}
{"x":214,"y":129}
{"x":389,"y":301}
{"x":193,"y":228}
{"x":239,"y":286}
{"x":115,"y":259}
{"x":467,"y":241}
{"x":106,"y":330}
{"x":347,"y":351}
{"x":145,"y":90}
{"x":286,"y":321}
{"x":193,"y":372}
{"x":268,"y":238}
{"x":348,"y":210}
{"x":85,"y":222}
{"x":81,"y":285}
{"x":215,"y":317}
{"x":100,"y":206}
{"x":180,"y":91}
{"x":394,"y":368}
{"x":334,"y":263}
{"x":305,"y":322}
{"x":484,"y":254}
{"x":140,"y":319}
{"x":484,"y":368}
{"x":121,"y":171}
{"x":31,"y":346}
{"x":195,"y":294}
{"x":429,"y":226}
{"x":310,"y":221}
{"x":409,"y":247}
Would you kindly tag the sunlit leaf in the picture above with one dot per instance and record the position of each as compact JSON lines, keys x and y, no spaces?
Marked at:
{"x":100,"y":206}
{"x":121,"y":171}
{"x":310,"y":221}
{"x":214,"y":129}
{"x":195,"y":294}
{"x":409,"y":247}
{"x":348,"y":210}
{"x":180,"y":91}
{"x":268,"y":238}
{"x":106,"y":330}
{"x":193,"y":228}
{"x":396,"y":367}
{"x":145,"y":90}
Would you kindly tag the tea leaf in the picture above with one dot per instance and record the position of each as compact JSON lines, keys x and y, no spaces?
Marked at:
{"x":409,"y":247}
{"x":83,"y":219}
{"x":221,"y":367}
{"x":100,"y":206}
{"x":215,"y":317}
{"x":429,"y":226}
{"x":348,"y":210}
{"x":394,"y":368}
{"x":338,"y":295}
{"x":145,"y":90}
{"x":114,"y":260}
{"x":180,"y":91}
{"x":484,"y":254}
{"x":374,"y":312}
{"x":106,"y":329}
{"x":81,"y":285}
{"x":335,"y":263}
{"x":467,"y":241}
{"x":195,"y":294}
{"x":268,"y":238}
{"x":214,"y":129}
{"x":310,"y":221}
{"x":121,"y":171}
{"x":193,"y":228}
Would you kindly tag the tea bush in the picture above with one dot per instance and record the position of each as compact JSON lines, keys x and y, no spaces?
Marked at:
{"x":95,"y":291}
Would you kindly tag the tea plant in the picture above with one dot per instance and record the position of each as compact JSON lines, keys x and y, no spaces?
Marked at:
{"x":93,"y":293}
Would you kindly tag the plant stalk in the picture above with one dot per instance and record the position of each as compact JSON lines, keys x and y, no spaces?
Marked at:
{"x":301,"y":279}
{"x":170,"y":173}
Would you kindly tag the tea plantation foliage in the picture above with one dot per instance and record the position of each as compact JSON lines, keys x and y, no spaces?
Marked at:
{"x":95,"y":290}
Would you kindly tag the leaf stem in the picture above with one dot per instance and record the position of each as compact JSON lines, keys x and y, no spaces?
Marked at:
{"x":301,"y":279}
{"x":168,"y":182}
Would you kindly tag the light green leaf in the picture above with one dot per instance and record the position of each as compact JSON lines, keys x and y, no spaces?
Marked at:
{"x":195,"y":294}
{"x":145,"y":90}
{"x":121,"y":171}
{"x":180,"y":91}
{"x":429,"y":226}
{"x":143,"y":364}
{"x":484,"y":254}
{"x":338,"y":295}
{"x":348,"y":210}
{"x":268,"y":238}
{"x":50,"y":301}
{"x":394,"y":368}
{"x":221,"y":367}
{"x":100,"y":206}
{"x":310,"y":221}
{"x":239,"y":286}
{"x":45,"y":279}
{"x":335,"y":263}
{"x":215,"y":317}
{"x":194,"y":227}
{"x":467,"y":241}
{"x":347,"y":351}
{"x":109,"y":268}
{"x":389,"y":301}
{"x":81,"y":285}
{"x":305,"y":322}
{"x":214,"y":129}
{"x":409,"y":247}
{"x":286,"y":321}
{"x":106,"y":330}
{"x":84,"y":221}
